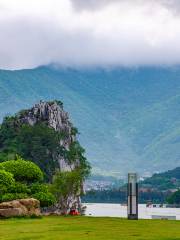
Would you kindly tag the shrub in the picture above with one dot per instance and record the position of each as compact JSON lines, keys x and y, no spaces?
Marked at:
{"x":22,"y":170}
{"x":13,"y":196}
{"x":37,"y":187}
{"x":46,"y":199}
{"x":6,"y":178}
{"x":3,"y":189}
{"x":18,"y":187}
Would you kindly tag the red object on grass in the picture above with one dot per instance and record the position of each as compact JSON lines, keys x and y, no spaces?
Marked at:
{"x":74,"y":212}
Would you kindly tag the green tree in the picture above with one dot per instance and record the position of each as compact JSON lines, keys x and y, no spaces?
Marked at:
{"x":19,"y":187}
{"x":65,"y":186}
{"x":39,"y":187}
{"x":46,"y":199}
{"x":76,"y":154}
{"x":38,"y":143}
{"x":6,"y":181}
{"x":23,"y":171}
{"x":13,"y":196}
{"x":27,"y":175}
{"x":6,"y":178}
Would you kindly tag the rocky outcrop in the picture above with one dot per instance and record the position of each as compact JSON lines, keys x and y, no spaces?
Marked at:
{"x":21,"y":207}
{"x":52,"y":114}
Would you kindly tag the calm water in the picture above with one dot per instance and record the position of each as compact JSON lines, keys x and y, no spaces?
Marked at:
{"x":117,"y":210}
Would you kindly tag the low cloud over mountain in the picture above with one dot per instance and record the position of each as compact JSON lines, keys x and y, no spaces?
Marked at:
{"x":89,"y":33}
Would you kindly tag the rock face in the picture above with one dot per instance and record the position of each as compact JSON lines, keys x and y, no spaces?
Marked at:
{"x":54,"y":116}
{"x":21,"y":207}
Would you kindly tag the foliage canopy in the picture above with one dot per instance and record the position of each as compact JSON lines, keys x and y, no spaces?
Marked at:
{"x":6,"y":178}
{"x":20,"y":179}
{"x":22,"y":170}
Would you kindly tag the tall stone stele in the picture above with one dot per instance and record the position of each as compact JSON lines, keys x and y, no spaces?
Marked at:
{"x":132,"y":205}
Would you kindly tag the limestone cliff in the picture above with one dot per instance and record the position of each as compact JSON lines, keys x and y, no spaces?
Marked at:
{"x":45,"y":135}
{"x":53,"y":114}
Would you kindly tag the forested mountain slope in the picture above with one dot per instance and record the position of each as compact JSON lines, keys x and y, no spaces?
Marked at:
{"x":163,"y":181}
{"x":129,"y":119}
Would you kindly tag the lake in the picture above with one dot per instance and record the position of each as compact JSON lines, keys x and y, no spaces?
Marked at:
{"x":118,"y":210}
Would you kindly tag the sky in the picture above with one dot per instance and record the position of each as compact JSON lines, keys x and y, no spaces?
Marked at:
{"x":89,"y":33}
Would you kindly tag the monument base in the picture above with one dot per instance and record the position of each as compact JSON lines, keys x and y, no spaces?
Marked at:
{"x":133,"y":217}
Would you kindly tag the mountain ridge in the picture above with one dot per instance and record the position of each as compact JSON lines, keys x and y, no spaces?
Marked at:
{"x":128,"y":117}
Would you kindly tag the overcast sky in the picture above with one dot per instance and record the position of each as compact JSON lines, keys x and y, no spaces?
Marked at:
{"x":89,"y":32}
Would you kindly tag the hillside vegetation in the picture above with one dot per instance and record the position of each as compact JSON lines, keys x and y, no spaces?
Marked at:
{"x":163,"y":181}
{"x":127,"y":117}
{"x":40,"y":142}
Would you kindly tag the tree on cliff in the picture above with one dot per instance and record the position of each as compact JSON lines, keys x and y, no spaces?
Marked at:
{"x":65,"y":186}
{"x":44,"y":135}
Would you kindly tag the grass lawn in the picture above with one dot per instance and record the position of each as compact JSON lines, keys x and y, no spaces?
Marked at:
{"x":77,"y":228}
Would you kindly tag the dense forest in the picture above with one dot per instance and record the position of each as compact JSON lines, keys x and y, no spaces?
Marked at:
{"x":120,"y":196}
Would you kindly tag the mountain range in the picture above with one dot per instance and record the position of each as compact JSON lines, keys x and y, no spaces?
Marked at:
{"x":128,"y":118}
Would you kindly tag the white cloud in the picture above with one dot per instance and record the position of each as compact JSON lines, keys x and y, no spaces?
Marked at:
{"x":132,"y":32}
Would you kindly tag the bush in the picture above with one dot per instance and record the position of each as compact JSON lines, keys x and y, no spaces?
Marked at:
{"x":6,"y":178}
{"x":3,"y":189}
{"x":18,"y":187}
{"x":37,"y":187}
{"x":13,"y":196}
{"x":1,"y":167}
{"x":46,"y":199}
{"x":22,"y":170}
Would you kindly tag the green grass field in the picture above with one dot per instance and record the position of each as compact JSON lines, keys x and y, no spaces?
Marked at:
{"x":78,"y":228}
